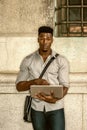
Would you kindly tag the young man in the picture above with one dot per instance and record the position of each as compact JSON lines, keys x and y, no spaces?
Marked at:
{"x":47,"y":110}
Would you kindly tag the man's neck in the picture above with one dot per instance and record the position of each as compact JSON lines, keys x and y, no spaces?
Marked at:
{"x":45,"y":54}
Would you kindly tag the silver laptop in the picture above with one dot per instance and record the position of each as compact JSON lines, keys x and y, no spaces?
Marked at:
{"x":57,"y":89}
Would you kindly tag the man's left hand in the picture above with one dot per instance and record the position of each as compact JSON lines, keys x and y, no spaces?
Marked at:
{"x":47,"y":98}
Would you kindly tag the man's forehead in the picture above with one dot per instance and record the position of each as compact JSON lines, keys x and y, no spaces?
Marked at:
{"x":43,"y":34}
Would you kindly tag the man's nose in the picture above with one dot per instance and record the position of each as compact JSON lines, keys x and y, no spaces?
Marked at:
{"x":45,"y":41}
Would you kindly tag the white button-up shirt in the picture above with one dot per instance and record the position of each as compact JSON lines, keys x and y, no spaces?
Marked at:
{"x":56,"y":74}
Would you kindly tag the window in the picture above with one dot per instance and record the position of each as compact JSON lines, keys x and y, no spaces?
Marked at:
{"x":71,"y":18}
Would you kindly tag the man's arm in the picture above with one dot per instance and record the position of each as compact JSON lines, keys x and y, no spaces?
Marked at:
{"x":25,"y":85}
{"x":21,"y":82}
{"x":65,"y":90}
{"x":51,"y":98}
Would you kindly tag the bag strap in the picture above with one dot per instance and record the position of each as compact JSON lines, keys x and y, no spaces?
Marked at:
{"x":47,"y":65}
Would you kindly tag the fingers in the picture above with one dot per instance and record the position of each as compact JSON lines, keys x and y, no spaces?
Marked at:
{"x":40,"y":82}
{"x":40,"y":96}
{"x":44,"y":82}
{"x":52,"y":93}
{"x":45,"y":97}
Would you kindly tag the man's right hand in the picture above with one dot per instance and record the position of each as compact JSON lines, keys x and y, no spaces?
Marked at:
{"x":25,"y":85}
{"x":40,"y":82}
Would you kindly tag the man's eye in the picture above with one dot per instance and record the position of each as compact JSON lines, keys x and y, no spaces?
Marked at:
{"x":45,"y":39}
{"x":41,"y":39}
{"x":48,"y":39}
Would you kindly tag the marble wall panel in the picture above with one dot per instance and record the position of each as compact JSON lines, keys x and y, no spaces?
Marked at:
{"x":14,"y":49}
{"x":12,"y":102}
{"x":73,"y":112}
{"x":11,"y":112}
{"x":85,"y":112}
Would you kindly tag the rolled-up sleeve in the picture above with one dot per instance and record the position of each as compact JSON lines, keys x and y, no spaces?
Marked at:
{"x":63,"y":72}
{"x":23,"y":74}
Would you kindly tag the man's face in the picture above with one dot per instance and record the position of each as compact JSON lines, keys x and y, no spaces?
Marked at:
{"x":45,"y":40}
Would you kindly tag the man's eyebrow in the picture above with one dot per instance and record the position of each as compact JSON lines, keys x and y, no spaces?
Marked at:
{"x":45,"y":37}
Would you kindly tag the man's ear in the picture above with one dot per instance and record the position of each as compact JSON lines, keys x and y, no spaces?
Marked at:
{"x":52,"y":40}
{"x":38,"y":39}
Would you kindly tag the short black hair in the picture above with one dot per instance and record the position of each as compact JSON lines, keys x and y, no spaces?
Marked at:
{"x":45,"y":29}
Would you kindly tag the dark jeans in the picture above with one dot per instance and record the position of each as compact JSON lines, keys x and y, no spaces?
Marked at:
{"x":53,"y":120}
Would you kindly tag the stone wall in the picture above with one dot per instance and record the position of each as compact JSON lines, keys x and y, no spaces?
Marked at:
{"x":19,"y":21}
{"x":12,"y":51}
{"x":23,"y":17}
{"x":12,"y":102}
